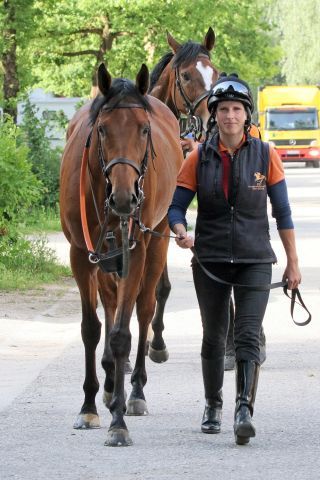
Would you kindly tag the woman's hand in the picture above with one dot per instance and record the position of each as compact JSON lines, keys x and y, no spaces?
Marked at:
{"x":185,"y":240}
{"x":292,"y":275}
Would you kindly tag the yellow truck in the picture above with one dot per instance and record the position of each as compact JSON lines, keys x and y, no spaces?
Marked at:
{"x":289,"y":119}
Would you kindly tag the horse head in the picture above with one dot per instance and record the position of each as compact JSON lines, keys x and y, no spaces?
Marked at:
{"x":122,"y":131}
{"x":186,"y":77}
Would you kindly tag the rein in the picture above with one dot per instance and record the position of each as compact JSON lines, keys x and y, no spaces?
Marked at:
{"x":270,"y":286}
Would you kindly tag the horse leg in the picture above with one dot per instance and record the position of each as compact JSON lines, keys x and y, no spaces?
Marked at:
{"x":108,"y":296}
{"x":146,"y":303}
{"x":120,"y":344}
{"x":90,"y":331}
{"x":157,"y":349}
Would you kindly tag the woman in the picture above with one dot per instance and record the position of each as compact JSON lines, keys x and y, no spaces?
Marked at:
{"x":232,"y":174}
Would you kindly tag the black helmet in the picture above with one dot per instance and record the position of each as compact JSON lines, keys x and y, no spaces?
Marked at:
{"x":230,"y":87}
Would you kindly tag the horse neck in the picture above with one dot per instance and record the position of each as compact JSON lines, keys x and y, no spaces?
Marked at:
{"x":163,"y":88}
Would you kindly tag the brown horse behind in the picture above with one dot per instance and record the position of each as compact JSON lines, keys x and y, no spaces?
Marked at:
{"x":133,"y":156}
{"x":182,"y":80}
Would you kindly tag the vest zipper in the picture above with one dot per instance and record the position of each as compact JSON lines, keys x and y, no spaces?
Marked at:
{"x":232,"y":210}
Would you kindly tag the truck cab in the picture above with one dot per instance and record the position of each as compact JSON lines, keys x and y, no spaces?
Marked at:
{"x":289,"y":119}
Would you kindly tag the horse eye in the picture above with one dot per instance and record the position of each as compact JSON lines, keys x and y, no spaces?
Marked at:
{"x":186,"y":76}
{"x":145,"y":130}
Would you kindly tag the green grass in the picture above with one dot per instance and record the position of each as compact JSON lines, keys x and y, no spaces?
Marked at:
{"x":40,"y":220}
{"x":28,"y":263}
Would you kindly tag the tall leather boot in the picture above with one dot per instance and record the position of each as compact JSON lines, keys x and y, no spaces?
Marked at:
{"x":212,"y":371}
{"x":247,"y":373}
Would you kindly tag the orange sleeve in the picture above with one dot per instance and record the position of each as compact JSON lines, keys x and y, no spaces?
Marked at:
{"x":187,"y":176}
{"x":276,"y":171}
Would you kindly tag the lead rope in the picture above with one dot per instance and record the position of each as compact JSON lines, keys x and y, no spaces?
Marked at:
{"x":270,"y":286}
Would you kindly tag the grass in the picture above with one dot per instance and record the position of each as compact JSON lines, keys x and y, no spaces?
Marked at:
{"x":40,"y":220}
{"x":25,"y":263}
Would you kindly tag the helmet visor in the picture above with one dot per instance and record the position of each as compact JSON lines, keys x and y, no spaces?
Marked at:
{"x":230,"y":87}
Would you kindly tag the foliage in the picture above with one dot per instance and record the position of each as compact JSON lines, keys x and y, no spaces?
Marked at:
{"x":44,"y":158}
{"x":74,"y":36}
{"x":298,"y":24}
{"x":19,"y":187}
{"x":25,"y":261}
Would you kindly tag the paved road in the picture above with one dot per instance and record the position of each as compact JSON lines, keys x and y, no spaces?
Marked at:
{"x":40,"y":395}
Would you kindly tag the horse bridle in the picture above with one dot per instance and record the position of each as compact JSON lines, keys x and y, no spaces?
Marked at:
{"x":194,"y":122}
{"x":96,"y":256}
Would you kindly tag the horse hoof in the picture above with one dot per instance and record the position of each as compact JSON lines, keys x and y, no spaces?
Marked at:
{"x":118,"y":437}
{"x":137,"y":407}
{"x":158,"y":356}
{"x":107,"y":397}
{"x":87,"y":421}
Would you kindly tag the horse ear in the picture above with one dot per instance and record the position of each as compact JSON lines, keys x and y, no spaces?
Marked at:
{"x":142,"y":79}
{"x":104,"y":79}
{"x":173,"y":44}
{"x":209,"y":39}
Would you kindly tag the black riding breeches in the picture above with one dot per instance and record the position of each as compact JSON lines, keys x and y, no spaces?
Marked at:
{"x":250,"y":306}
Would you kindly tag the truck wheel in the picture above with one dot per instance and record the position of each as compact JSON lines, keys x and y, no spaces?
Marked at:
{"x":315,"y":164}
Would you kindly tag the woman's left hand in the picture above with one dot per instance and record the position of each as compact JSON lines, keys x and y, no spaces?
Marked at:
{"x":292,"y":275}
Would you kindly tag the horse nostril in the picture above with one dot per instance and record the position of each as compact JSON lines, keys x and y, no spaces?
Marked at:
{"x":111,"y":201}
{"x":134,"y":200}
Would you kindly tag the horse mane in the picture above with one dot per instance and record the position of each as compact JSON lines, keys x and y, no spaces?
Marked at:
{"x":158,"y":69}
{"x":121,"y":89}
{"x":189,"y":52}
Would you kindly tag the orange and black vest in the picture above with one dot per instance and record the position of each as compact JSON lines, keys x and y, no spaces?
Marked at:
{"x":234,"y":229}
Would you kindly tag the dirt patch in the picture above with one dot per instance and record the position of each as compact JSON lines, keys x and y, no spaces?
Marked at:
{"x":48,"y":303}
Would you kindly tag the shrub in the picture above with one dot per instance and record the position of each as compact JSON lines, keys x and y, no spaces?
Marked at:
{"x":19,"y":187}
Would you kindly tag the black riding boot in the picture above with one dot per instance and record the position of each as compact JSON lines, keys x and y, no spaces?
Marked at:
{"x":212,"y":371}
{"x":247,"y":373}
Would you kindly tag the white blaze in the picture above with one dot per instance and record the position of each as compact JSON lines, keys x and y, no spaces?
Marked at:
{"x":206,"y":73}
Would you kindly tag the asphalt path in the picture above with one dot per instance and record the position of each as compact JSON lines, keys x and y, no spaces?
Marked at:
{"x":41,"y":376}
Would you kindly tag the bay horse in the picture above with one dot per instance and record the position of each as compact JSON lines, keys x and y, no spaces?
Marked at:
{"x":182,"y":79}
{"x":118,"y":169}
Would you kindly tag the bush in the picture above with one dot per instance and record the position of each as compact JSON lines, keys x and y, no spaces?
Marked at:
{"x":19,"y":187}
{"x":27,"y":262}
{"x":44,"y":158}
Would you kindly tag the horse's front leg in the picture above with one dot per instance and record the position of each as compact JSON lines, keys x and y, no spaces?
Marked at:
{"x":90,"y":332}
{"x":146,"y":302}
{"x":120,"y":343}
{"x":108,"y":296}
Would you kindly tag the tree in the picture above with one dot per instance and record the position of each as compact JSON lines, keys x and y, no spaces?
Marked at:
{"x":16,"y":21}
{"x":298,"y":26}
{"x":74,"y":36}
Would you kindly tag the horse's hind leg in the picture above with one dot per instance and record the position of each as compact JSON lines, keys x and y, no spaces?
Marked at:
{"x":157,"y":349}
{"x":90,"y":331}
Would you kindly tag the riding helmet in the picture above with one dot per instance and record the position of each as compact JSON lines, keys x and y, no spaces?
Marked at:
{"x":230,"y":87}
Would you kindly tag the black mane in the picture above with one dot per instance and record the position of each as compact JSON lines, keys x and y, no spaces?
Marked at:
{"x":188,"y":52}
{"x":121,"y":89}
{"x":158,"y":69}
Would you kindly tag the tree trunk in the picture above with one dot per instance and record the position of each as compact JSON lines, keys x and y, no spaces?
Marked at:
{"x":9,"y":61}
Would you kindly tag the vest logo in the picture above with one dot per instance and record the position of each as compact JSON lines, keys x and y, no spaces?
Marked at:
{"x":260,"y":182}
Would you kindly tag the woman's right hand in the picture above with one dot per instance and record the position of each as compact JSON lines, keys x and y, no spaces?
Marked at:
{"x":184,"y":240}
